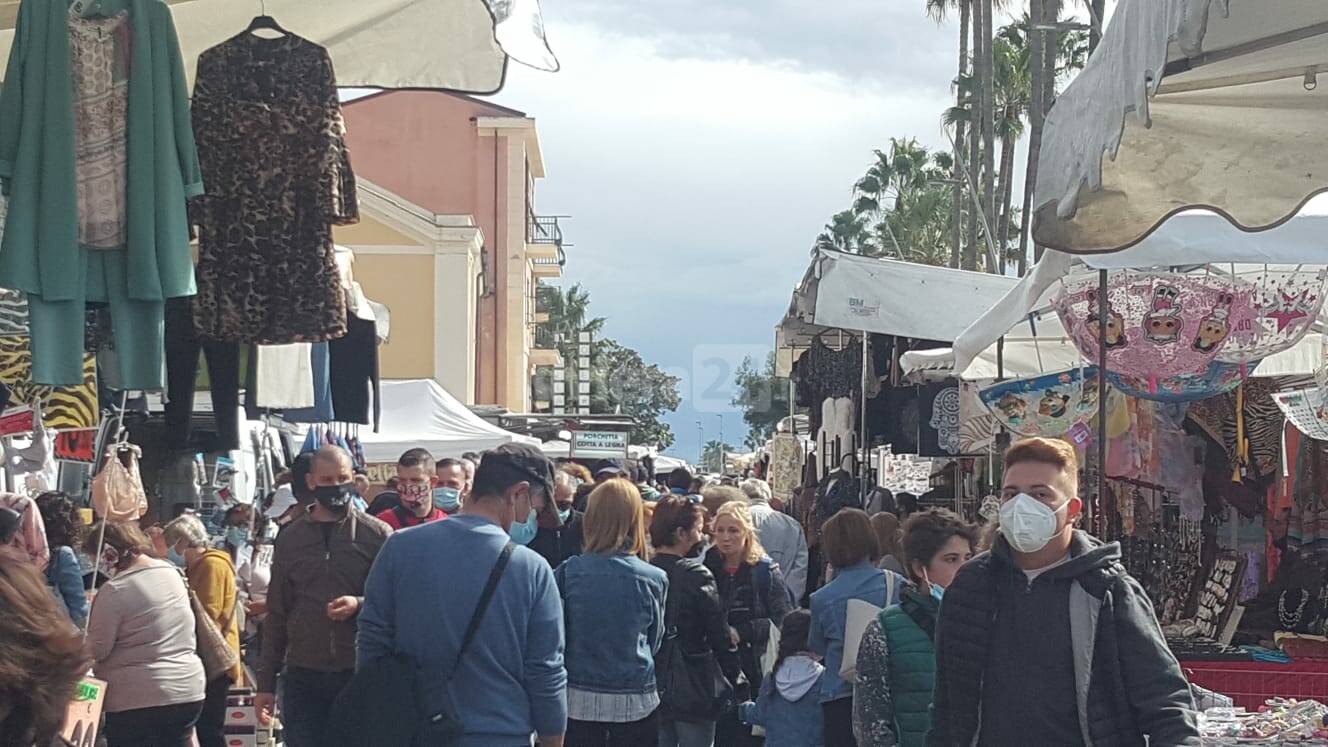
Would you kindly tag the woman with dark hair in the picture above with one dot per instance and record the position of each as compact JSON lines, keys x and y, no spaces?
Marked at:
{"x":787,"y":708}
{"x":896,"y":659}
{"x":64,"y":573}
{"x":141,"y":634}
{"x":694,"y":618}
{"x":41,"y":658}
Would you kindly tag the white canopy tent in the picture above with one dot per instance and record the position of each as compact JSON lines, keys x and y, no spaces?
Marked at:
{"x":1187,"y":103}
{"x":459,"y":45}
{"x":862,"y":294}
{"x":1203,"y":239}
{"x":420,"y":412}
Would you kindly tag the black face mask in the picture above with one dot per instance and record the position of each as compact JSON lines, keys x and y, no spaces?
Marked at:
{"x":335,"y":497}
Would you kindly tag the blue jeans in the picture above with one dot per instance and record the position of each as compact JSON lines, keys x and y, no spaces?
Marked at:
{"x":307,"y":705}
{"x":686,"y":734}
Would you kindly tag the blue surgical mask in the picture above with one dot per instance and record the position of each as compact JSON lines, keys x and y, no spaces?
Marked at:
{"x":448,"y":499}
{"x":563,"y":516}
{"x":935,"y":590}
{"x":237,"y":536}
{"x":176,"y":558}
{"x":522,"y":533}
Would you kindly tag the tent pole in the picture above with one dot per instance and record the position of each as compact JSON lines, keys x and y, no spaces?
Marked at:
{"x":1101,"y":397}
{"x":864,"y":462}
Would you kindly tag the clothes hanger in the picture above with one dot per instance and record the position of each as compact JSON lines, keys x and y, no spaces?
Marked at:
{"x":265,"y":22}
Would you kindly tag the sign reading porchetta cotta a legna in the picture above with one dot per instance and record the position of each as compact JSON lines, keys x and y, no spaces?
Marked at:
{"x":599,"y":444}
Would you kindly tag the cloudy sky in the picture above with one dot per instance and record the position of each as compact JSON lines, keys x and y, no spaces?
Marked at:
{"x":700,"y":147}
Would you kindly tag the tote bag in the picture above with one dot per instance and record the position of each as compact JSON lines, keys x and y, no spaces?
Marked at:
{"x":860,"y":615}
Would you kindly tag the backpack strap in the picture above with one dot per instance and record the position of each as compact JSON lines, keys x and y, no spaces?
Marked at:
{"x":486,"y":596}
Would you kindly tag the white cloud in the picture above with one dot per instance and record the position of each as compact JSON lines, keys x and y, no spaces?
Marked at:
{"x":698,"y":174}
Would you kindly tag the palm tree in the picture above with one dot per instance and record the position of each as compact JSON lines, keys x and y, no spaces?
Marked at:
{"x":938,"y":9}
{"x":892,"y":177}
{"x":568,"y":315}
{"x":1012,"y":89}
{"x":846,"y":232}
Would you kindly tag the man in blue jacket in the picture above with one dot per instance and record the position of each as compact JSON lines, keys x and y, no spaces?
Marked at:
{"x":427,"y":581}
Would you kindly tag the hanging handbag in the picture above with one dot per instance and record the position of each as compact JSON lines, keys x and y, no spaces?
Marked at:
{"x":217,"y":655}
{"x":117,"y":490}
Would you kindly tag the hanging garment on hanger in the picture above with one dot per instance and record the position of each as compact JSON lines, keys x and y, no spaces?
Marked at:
{"x":271,"y":141}
{"x":223,"y":364}
{"x":354,"y":373}
{"x":285,"y":376}
{"x":323,"y":409}
{"x":97,"y":101}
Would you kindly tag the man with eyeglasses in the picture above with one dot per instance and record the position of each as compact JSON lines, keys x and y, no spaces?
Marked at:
{"x":428,"y":585}
{"x":1047,"y":639}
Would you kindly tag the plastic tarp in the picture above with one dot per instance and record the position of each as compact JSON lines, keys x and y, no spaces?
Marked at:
{"x":1206,"y":240}
{"x":420,"y":412}
{"x":1187,"y":103}
{"x":459,"y":45}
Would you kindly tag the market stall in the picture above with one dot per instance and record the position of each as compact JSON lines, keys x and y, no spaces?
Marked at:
{"x":421,"y":413}
{"x":848,"y":324}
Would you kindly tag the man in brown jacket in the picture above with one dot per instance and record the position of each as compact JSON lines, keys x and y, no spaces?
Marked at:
{"x":319,"y":567}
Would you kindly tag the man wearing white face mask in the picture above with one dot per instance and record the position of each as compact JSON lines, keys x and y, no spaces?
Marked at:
{"x":1046,"y":639}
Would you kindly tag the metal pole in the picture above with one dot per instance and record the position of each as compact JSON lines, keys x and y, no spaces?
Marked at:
{"x":1102,"y":307}
{"x":863,"y":461}
{"x":700,"y":448}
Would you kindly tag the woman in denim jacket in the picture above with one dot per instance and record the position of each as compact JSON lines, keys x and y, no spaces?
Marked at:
{"x":613,"y":610}
{"x":64,"y":573}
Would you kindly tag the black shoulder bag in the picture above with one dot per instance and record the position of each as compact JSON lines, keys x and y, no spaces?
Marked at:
{"x":432,"y":720}
{"x":691,"y":685}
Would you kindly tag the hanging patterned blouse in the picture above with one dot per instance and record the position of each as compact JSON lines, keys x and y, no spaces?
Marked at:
{"x":271,"y":141}
{"x":99,"y":65}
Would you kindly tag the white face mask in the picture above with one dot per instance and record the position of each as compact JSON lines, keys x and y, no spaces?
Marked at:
{"x":1027,"y":523}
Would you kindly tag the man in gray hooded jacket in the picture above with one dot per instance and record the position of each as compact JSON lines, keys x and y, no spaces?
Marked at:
{"x":1046,"y":639}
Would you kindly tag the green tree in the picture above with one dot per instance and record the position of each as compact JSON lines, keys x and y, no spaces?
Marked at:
{"x":763,"y":398}
{"x":712,"y":455}
{"x":846,"y":232}
{"x":622,"y":383}
{"x":569,"y":314}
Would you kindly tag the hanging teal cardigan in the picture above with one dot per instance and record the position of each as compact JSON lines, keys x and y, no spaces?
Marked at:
{"x":40,"y":251}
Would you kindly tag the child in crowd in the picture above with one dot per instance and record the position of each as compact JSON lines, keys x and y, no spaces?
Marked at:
{"x":788,"y":707}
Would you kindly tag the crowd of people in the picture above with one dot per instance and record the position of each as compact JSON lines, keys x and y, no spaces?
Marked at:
{"x":494,"y":600}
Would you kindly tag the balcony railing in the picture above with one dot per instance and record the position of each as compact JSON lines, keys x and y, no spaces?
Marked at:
{"x":544,"y":297}
{"x":545,"y":339}
{"x":544,"y":229}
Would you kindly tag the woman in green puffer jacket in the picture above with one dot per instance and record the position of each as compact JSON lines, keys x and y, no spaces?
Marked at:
{"x":896,"y":659}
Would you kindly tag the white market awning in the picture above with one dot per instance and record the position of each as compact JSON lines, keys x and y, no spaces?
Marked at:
{"x":420,"y":412}
{"x":1187,"y":103}
{"x":458,"y":45}
{"x":862,"y":294}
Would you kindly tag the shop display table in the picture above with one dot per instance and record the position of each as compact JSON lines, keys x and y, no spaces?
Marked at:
{"x":1250,"y":683}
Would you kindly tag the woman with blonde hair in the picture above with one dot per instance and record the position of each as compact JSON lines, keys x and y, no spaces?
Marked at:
{"x":211,"y":575}
{"x":886,"y":526}
{"x":613,"y":614}
{"x":755,"y":600}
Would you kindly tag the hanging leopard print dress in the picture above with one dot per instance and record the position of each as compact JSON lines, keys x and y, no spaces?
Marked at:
{"x":271,"y":141}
